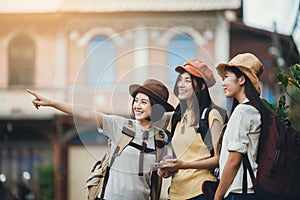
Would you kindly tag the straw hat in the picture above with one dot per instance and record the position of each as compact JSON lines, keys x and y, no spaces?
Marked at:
{"x":155,"y":89}
{"x":198,"y":69}
{"x":249,"y":64}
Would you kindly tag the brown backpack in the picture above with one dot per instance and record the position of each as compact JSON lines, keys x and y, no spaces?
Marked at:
{"x":278,"y":173}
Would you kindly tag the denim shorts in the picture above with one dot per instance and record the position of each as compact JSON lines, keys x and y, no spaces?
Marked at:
{"x":235,"y":196}
{"x":200,"y":197}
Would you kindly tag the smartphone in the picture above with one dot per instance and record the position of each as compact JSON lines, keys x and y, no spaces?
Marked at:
{"x":157,"y":165}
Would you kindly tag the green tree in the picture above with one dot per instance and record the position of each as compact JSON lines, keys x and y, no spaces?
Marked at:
{"x":46,"y":181}
{"x":291,"y":84}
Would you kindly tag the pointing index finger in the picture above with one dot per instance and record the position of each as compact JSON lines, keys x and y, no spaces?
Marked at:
{"x":31,"y":92}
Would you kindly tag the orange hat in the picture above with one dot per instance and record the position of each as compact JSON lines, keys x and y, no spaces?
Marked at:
{"x":198,"y":69}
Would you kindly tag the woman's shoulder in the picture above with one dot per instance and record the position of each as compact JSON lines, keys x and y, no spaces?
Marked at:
{"x":245,"y":106}
{"x":246,"y":109}
{"x":215,"y":111}
{"x":215,"y":114}
{"x":112,"y":116}
{"x":114,"y":119}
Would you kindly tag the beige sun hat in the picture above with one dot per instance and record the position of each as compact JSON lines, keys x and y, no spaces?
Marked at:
{"x":249,"y":64}
{"x":198,"y":69}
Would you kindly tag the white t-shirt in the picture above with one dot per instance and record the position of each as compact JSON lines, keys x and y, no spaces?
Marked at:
{"x":124,"y":182}
{"x":241,"y":135}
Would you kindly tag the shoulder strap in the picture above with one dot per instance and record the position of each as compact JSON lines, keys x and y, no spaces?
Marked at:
{"x":129,"y":128}
{"x":126,"y":137}
{"x":246,"y":166}
{"x":161,"y":140}
{"x":160,"y":137}
{"x":204,"y":124}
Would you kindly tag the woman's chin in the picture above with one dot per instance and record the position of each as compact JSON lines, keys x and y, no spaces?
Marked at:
{"x":139,"y":117}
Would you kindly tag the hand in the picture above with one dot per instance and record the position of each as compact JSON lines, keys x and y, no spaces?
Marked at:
{"x":39,"y":100}
{"x":172,"y":165}
{"x":164,"y":174}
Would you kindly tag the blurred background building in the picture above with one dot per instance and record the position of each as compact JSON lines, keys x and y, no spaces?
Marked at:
{"x":88,"y":53}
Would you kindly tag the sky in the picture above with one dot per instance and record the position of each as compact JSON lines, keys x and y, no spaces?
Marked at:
{"x":263,"y":13}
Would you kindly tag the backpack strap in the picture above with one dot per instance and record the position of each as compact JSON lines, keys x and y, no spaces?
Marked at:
{"x":205,"y":131}
{"x":246,"y":166}
{"x":129,"y":128}
{"x":156,"y":184}
{"x":125,"y":138}
{"x":123,"y":142}
{"x":204,"y":124}
{"x":161,"y":140}
{"x":160,"y":137}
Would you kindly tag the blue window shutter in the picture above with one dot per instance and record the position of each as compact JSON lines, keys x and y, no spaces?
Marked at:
{"x":181,"y":49}
{"x":100,"y":62}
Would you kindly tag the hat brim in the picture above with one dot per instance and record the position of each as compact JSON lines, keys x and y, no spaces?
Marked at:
{"x":253,"y":78}
{"x":209,"y":81}
{"x":135,"y":88}
{"x":181,"y":69}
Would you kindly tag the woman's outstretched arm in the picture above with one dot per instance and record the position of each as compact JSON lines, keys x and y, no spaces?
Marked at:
{"x":80,"y":111}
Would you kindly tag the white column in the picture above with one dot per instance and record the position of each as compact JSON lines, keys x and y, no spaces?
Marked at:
{"x":222,"y":49}
{"x":141,"y":54}
{"x":222,"y":40}
{"x":60,"y":60}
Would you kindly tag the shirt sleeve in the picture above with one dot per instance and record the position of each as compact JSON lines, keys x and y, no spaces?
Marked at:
{"x":240,"y":125}
{"x":112,"y":126}
{"x":215,"y":115}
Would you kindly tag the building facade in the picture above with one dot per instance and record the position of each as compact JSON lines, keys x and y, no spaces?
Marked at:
{"x":88,"y":53}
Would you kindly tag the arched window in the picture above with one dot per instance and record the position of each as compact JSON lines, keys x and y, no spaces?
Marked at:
{"x":21,"y":61}
{"x":181,"y":49}
{"x":100,"y":64}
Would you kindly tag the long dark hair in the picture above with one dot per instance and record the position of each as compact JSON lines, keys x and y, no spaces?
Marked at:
{"x":254,"y":100}
{"x":202,"y":101}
